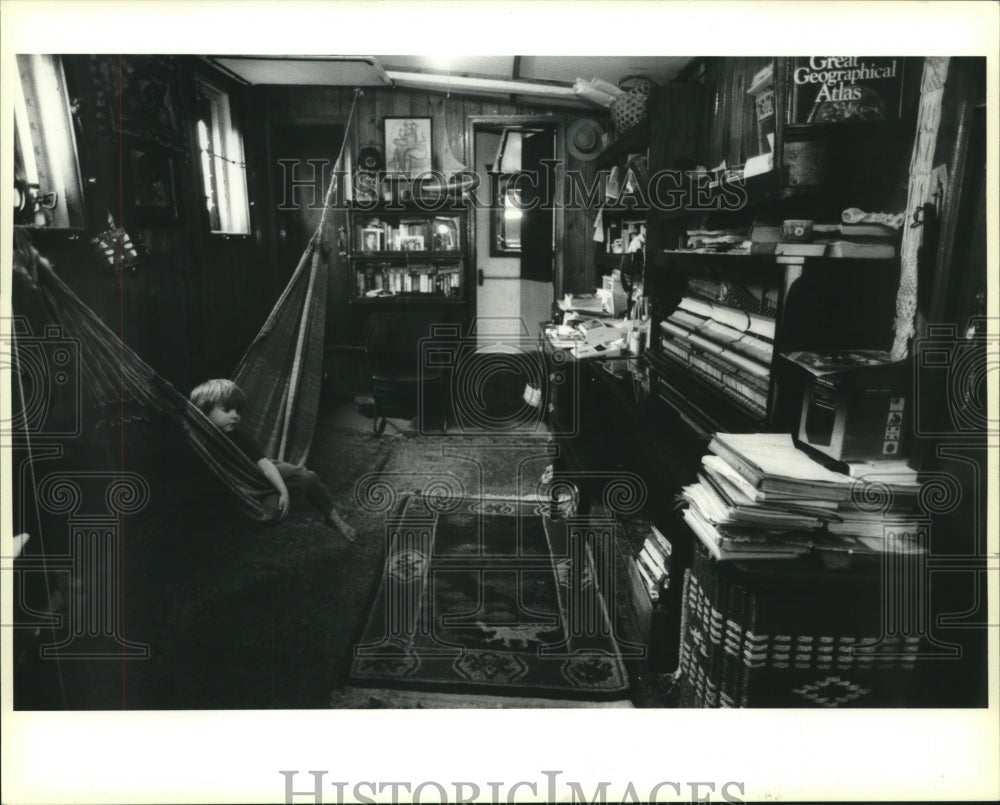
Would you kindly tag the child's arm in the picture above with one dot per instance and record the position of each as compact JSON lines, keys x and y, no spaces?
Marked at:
{"x":272,"y":474}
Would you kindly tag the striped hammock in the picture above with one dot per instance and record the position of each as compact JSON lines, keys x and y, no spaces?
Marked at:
{"x":280,"y":374}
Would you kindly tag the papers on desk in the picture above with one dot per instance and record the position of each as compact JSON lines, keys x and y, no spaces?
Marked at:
{"x":590,"y":338}
{"x":582,"y":303}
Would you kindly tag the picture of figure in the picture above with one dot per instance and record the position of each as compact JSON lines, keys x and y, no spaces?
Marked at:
{"x":408,"y":140}
{"x":372,"y":240}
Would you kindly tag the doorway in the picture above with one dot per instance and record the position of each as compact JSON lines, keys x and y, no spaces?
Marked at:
{"x":515,"y":265}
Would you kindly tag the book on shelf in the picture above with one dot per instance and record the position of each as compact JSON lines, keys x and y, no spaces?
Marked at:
{"x":878,"y":525}
{"x":759,"y":348}
{"x":656,"y":536}
{"x":755,"y":323}
{"x":725,"y":352}
{"x":897,"y":470}
{"x":799,"y":249}
{"x":718,"y":467}
{"x":715,"y":507}
{"x":834,"y":89}
{"x":772,"y":463}
{"x":732,"y":546}
{"x":759,"y":496}
{"x":653,"y":564}
{"x":746,"y":390}
{"x":647,"y":580}
{"x":869,"y":545}
{"x":735,"y":525}
{"x":812,"y":513}
{"x":867,"y":251}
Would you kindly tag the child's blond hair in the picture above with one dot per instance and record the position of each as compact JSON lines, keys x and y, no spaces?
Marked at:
{"x":218,"y":392}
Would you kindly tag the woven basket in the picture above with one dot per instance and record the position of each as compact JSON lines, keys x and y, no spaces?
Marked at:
{"x":630,"y":109}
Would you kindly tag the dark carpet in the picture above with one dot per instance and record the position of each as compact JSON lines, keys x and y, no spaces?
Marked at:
{"x":488,"y":595}
{"x":243,"y":615}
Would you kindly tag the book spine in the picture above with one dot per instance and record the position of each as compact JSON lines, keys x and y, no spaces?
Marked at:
{"x":735,"y":461}
{"x":657,"y":571}
{"x":716,"y":366}
{"x":665,"y":547}
{"x":650,"y":585}
{"x":661,"y":557}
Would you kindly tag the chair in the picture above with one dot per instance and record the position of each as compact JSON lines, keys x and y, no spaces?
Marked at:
{"x":401,"y":387}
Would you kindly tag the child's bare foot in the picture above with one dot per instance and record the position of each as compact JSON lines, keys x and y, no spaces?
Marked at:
{"x":334,"y":519}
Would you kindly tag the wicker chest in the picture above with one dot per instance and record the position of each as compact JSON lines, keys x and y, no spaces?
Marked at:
{"x":776,"y":634}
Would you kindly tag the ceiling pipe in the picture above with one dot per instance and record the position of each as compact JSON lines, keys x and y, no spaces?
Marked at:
{"x":495,"y":85}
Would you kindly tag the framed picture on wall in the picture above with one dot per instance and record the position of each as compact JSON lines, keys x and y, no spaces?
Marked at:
{"x":137,"y":96}
{"x":152,"y":185}
{"x":407,"y":145}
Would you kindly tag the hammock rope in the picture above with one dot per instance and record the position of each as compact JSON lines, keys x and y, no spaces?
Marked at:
{"x":113,"y":375}
{"x":280,"y":373}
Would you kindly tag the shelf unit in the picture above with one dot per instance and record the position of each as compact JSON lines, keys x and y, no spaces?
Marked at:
{"x":815,"y":172}
{"x":408,"y":255}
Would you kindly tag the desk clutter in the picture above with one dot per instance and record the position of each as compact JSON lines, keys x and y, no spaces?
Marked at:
{"x":758,"y":496}
{"x":601,"y":324}
{"x":850,"y":237}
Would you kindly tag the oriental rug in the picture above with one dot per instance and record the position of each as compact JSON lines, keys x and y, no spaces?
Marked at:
{"x":490,"y":596}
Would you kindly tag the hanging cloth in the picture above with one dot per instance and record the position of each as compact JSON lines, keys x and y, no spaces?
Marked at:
{"x":918,"y":194}
{"x":113,"y":375}
{"x":281,"y":372}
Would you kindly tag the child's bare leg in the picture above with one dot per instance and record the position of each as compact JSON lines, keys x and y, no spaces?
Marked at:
{"x":334,"y":518}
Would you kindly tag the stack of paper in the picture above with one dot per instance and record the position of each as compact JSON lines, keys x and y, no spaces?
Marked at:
{"x":758,"y":496}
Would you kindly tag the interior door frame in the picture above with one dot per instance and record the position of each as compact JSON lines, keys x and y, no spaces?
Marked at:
{"x":558,"y":123}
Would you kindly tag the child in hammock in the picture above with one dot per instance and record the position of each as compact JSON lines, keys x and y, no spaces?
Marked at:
{"x":221,"y":401}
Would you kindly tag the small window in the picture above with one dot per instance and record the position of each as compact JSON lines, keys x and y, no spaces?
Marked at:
{"x":48,"y":190}
{"x":223,"y":168}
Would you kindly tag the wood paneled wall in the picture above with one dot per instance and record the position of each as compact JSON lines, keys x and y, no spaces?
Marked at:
{"x":196,"y":301}
{"x":730,"y":121}
{"x":310,"y":105}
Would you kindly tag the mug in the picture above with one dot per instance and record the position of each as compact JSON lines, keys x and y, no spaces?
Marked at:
{"x":796,"y":230}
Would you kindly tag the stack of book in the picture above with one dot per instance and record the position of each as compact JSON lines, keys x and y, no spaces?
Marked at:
{"x":868,"y":241}
{"x":759,"y":497}
{"x":653,"y":563}
{"x":727,"y":347}
{"x":718,"y":241}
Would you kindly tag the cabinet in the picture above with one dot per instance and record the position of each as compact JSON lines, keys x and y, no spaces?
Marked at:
{"x":410,"y":254}
{"x":725,"y":298}
{"x":722,"y":316}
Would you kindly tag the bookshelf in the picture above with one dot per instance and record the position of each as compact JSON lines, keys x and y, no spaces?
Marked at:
{"x":408,"y":255}
{"x":655,"y":415}
{"x":731,"y":117}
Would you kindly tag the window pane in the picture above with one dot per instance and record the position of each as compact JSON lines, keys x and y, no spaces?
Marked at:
{"x":46,"y":149}
{"x":222,"y":165}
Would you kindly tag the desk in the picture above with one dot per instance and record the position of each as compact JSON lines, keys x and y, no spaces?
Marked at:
{"x":725,"y":627}
{"x":609,"y":426}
